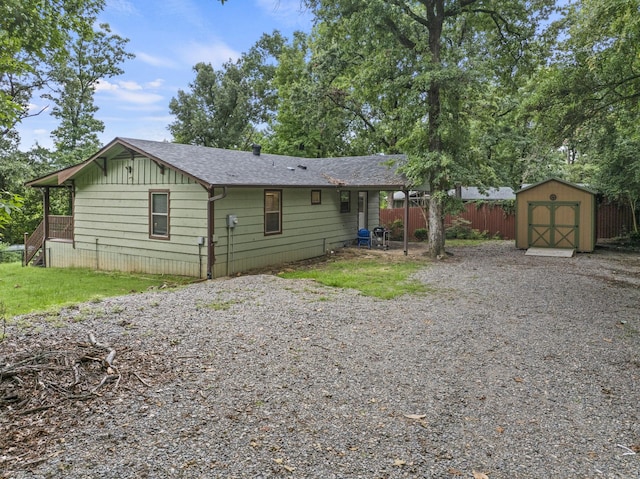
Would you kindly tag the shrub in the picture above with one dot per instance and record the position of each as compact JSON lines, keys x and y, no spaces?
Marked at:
{"x":421,"y":234}
{"x":461,"y":229}
{"x":396,"y":230}
{"x":8,"y":255}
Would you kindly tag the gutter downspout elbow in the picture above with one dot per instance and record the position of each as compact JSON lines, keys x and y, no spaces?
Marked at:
{"x":217,"y":197}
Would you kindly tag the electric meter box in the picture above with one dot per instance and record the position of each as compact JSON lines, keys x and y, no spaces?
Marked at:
{"x":232,"y":221}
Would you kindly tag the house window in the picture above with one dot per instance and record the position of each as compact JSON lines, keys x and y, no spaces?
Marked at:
{"x":345,"y":201}
{"x":316,"y":197}
{"x":272,"y":212}
{"x":159,"y":214}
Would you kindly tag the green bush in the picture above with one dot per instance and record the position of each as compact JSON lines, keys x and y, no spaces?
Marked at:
{"x":8,"y":255}
{"x":396,"y":230}
{"x":461,"y":229}
{"x":421,"y":234}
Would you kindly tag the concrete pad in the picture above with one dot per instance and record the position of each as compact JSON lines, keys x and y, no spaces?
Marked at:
{"x":555,"y":252}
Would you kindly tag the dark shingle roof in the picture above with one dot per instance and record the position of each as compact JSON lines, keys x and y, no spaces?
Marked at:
{"x":216,"y":166}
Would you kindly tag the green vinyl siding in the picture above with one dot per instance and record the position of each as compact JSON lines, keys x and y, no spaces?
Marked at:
{"x":306,"y":231}
{"x":143,"y":172}
{"x":111,"y":224}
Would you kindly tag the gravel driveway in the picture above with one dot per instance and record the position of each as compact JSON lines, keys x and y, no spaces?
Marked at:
{"x":511,"y":367}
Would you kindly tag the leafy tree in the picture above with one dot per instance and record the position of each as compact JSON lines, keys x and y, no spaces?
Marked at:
{"x":309,"y":121}
{"x":366,"y":80}
{"x":94,"y":56}
{"x":226,"y":108}
{"x":419,"y":77}
{"x":19,"y":204}
{"x":34,"y":40}
{"x":431,"y":63}
{"x":9,"y":202}
{"x":18,"y":167}
{"x":588,"y":98}
{"x":52,"y":46}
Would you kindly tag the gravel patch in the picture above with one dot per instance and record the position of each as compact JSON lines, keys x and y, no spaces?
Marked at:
{"x":510,"y":367}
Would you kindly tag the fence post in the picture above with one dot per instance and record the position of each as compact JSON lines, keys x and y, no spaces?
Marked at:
{"x":24,"y":254}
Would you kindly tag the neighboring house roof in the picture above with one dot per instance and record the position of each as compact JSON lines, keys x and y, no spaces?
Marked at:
{"x":470,"y":193}
{"x":399,"y":195}
{"x":220,"y":167}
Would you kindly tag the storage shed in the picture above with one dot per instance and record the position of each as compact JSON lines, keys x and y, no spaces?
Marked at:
{"x":556,"y":214}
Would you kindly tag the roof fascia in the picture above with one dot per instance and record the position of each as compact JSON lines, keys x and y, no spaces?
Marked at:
{"x":69,"y":172}
{"x":54,"y":179}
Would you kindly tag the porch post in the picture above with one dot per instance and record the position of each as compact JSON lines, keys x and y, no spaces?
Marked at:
{"x":72,"y":195}
{"x":406,"y":222}
{"x":45,"y":224}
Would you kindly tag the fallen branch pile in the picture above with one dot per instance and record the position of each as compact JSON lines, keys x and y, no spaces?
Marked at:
{"x":48,"y":385}
{"x":33,"y":381}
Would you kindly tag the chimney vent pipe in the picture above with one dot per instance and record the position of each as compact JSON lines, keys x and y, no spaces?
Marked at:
{"x":256,"y":149}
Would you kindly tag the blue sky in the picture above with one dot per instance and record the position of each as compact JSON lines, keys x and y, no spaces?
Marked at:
{"x":168,"y":39}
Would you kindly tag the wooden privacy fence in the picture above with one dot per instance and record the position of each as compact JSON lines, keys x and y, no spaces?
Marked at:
{"x":613,"y":219}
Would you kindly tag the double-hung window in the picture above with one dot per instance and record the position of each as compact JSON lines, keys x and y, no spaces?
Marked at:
{"x":272,"y":212}
{"x":159,"y":214}
{"x":345,"y":201}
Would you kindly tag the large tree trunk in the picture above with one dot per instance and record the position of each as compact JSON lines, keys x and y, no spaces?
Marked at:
{"x":436,"y":227}
{"x":435,"y":18}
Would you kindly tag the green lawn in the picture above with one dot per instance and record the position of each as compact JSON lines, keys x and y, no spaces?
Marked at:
{"x":24,"y":290}
{"x":380,"y":279}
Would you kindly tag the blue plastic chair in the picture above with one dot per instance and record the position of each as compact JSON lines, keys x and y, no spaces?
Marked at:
{"x":364,"y":238}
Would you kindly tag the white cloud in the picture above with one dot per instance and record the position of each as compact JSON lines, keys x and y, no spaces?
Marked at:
{"x":129,"y":92}
{"x":164,"y":119}
{"x":155,"y":61}
{"x":105,"y":85}
{"x":215,"y":53}
{"x":130,"y":85}
{"x":184,"y":9}
{"x":138,"y":98}
{"x":157,"y":83}
{"x":34,"y":109}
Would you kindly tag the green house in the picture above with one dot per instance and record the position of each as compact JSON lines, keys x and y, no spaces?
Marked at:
{"x":158,"y":207}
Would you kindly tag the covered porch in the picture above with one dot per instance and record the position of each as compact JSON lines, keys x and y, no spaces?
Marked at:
{"x":52,"y":227}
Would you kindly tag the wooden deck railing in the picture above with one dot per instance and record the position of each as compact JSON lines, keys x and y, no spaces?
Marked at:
{"x":60,"y":227}
{"x":33,"y":243}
